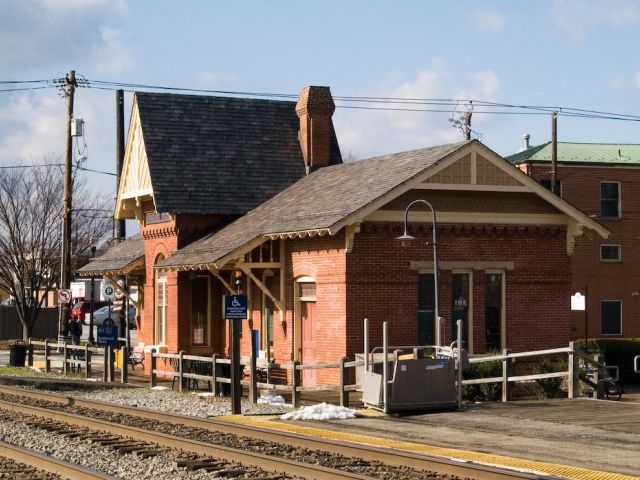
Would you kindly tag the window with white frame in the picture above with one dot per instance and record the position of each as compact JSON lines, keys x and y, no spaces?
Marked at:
{"x":610,"y":253}
{"x":610,"y":199}
{"x":160,"y":324}
{"x":611,"y":317}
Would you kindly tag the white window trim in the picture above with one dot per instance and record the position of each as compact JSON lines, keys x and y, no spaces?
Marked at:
{"x":207,"y":342}
{"x":160,"y":279}
{"x":611,"y":334}
{"x":619,"y":198}
{"x":618,"y":260}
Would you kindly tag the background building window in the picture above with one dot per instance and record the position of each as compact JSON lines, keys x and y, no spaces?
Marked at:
{"x":610,"y":199}
{"x":200,"y":311}
{"x":610,"y":253}
{"x":546,"y":183}
{"x":493,"y":311}
{"x":460,"y":283}
{"x":266,"y":334}
{"x":611,"y":317}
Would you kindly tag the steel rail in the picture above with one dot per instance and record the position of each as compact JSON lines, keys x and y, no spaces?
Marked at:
{"x":48,"y":464}
{"x":388,"y":456}
{"x":246,"y":458}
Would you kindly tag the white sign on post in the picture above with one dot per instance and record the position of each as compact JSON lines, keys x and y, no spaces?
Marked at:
{"x":578,"y":302}
{"x":64,"y":296}
{"x":108,"y":290}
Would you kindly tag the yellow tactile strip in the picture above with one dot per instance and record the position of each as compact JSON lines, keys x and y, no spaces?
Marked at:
{"x":500,"y":461}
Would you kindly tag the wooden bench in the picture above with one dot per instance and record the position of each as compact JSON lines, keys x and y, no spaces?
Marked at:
{"x":136,"y":357}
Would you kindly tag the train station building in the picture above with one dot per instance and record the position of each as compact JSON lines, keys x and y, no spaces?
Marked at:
{"x":255,"y":191}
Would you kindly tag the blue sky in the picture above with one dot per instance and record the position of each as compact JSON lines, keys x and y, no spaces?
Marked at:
{"x":565,"y":53}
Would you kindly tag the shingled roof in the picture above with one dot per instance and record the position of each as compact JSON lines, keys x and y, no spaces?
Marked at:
{"x":118,"y":259}
{"x":220,"y":154}
{"x":318,"y":201}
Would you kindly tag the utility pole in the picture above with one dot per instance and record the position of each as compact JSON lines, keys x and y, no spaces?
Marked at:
{"x":65,"y":271}
{"x":467,"y":122}
{"x":554,"y":151}
{"x":121,"y":226}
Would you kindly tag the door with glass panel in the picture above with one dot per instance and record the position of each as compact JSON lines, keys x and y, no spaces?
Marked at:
{"x":460,"y":286}
{"x":426,"y":322}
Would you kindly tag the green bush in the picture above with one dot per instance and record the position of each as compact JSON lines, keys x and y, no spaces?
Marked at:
{"x":619,"y":352}
{"x":549,"y":387}
{"x":488,"y":392}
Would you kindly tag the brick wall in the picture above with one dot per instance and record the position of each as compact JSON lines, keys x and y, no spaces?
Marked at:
{"x":605,"y":280}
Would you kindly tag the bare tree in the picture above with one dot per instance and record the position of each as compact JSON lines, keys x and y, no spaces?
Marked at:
{"x":31,"y":234}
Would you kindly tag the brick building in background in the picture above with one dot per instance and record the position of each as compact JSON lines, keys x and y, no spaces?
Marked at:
{"x":602,"y":180}
{"x":256,"y":188}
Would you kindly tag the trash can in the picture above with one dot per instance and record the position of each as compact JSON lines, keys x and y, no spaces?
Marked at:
{"x":17,"y":354}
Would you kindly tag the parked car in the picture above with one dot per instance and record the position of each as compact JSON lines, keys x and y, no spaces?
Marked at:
{"x":100,"y":315}
{"x":80,"y":309}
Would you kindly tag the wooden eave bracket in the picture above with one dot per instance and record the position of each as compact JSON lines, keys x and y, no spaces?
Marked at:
{"x":350,"y":235}
{"x":119,"y":288}
{"x":216,"y":274}
{"x":574,"y":230}
{"x":247,"y":271}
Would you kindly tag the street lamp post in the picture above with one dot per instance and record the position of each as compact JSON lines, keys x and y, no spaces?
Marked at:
{"x":405,"y":239}
{"x":93,"y":284}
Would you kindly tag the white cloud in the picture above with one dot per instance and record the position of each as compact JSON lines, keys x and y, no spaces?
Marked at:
{"x":487,"y":20}
{"x":212,"y":80}
{"x":577,"y":17}
{"x":366,"y":133}
{"x":110,"y":54}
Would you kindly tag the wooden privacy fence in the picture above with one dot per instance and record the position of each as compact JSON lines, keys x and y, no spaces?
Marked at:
{"x":45,"y":326}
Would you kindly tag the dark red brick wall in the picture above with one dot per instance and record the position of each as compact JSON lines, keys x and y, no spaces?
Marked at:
{"x":382,"y":287}
{"x":605,"y":280}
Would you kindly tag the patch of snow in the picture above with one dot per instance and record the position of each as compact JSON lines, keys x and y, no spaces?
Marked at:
{"x":321,"y":411}
{"x":205,"y":394}
{"x":36,"y":369}
{"x":272,"y":400}
{"x":159,"y":387}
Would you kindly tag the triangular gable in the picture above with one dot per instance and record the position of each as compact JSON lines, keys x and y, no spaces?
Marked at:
{"x":135,"y":184}
{"x":476,"y":167}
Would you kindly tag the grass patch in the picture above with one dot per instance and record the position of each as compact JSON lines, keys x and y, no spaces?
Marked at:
{"x":21,"y":372}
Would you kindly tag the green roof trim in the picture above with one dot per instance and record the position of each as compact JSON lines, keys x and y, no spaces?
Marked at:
{"x":587,"y":153}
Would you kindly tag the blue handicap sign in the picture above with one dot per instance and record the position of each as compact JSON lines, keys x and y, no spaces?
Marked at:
{"x":235,"y":307}
{"x":107,"y":336}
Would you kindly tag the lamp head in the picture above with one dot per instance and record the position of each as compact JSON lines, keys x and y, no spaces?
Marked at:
{"x":405,"y":239}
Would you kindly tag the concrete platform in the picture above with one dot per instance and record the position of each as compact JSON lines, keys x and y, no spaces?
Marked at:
{"x":580,"y":439}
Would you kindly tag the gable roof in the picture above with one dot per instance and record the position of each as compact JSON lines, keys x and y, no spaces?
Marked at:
{"x":589,"y":153}
{"x":326,"y":200}
{"x":317,"y":202}
{"x":219,"y":154}
{"x":121,"y":258}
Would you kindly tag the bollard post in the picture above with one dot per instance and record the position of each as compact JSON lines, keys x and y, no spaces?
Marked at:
{"x":30,"y":354}
{"x":214,"y":379}
{"x":295,"y":382}
{"x":366,"y":345}
{"x":344,"y":395}
{"x":180,"y":370}
{"x":47,"y":361}
{"x":459,"y":362}
{"x":253,"y":379}
{"x":505,"y":375}
{"x":105,"y":372}
{"x":112,"y":364}
{"x":385,"y":368}
{"x":87,"y":361}
{"x":124,"y":370}
{"x":152,"y":368}
{"x":572,"y":378}
{"x":65,"y":354}
{"x":599,"y":372}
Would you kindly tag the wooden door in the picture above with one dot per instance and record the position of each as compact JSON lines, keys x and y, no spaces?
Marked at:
{"x":307,"y":315}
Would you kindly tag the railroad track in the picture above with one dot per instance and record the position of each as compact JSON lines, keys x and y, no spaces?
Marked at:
{"x":137,"y":424}
{"x":22,"y":464}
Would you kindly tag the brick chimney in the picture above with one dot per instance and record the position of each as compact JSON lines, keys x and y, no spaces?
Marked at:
{"x":314,"y":108}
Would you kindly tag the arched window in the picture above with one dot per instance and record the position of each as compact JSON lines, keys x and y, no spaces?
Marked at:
{"x":160,"y":320}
